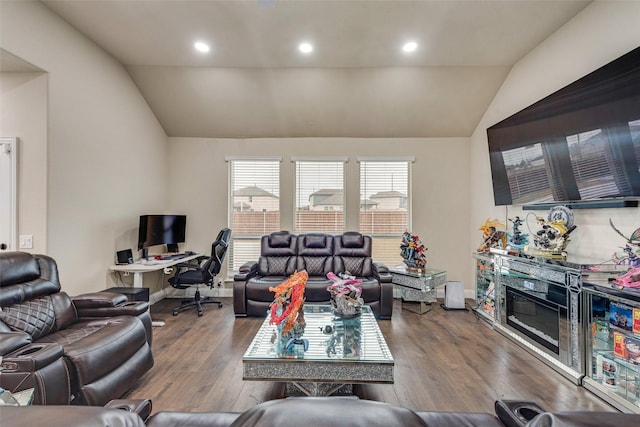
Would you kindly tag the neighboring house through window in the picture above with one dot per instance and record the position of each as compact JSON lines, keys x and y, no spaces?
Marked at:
{"x":254,"y":206}
{"x":385,"y":205}
{"x":319,"y":195}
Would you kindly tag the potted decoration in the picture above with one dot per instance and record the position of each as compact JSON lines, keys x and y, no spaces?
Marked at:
{"x":413,"y":252}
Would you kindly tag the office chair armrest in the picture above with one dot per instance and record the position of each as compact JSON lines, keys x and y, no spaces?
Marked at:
{"x":189,"y":266}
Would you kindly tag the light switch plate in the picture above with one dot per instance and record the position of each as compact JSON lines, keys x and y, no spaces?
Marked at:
{"x":26,"y":241}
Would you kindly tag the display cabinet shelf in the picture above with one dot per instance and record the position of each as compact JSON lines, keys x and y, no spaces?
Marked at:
{"x":485,"y":304}
{"x":537,"y":304}
{"x":613,"y":344}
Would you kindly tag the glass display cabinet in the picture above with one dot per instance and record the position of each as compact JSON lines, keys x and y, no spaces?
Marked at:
{"x":613,"y":344}
{"x":538,"y":306}
{"x":485,"y":304}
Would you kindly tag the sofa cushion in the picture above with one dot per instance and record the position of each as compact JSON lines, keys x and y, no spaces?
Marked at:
{"x":460,"y":419}
{"x":257,"y":288}
{"x":313,"y":411}
{"x":35,"y":317}
{"x":276,"y":265}
{"x":20,"y":267}
{"x":351,"y":239}
{"x":356,"y":266}
{"x":316,"y":240}
{"x":280,"y":239}
{"x":65,"y":416}
{"x":98,"y":347}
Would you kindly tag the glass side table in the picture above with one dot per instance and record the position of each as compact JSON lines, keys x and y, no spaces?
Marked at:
{"x":418,"y":286}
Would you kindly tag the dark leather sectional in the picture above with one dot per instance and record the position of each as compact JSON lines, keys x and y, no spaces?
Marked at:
{"x":86,"y":350}
{"x":283,"y":253}
{"x":305,"y":411}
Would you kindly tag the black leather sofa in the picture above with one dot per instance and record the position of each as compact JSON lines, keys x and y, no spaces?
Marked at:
{"x":304,"y":411}
{"x":283,"y":253}
{"x":85,"y":350}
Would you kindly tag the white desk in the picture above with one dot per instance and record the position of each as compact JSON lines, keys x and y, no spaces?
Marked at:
{"x":141,"y":266}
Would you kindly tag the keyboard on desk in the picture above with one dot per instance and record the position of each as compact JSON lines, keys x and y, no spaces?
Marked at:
{"x":172,"y":257}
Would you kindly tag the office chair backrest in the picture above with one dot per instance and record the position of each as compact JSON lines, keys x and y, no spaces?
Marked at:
{"x":218,"y":252}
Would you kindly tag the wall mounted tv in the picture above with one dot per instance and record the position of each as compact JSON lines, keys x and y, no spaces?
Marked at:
{"x":581,"y":143}
{"x":161,"y":230}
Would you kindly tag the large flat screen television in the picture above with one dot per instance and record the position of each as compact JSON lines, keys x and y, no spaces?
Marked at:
{"x":161,"y":230}
{"x":581,"y":143}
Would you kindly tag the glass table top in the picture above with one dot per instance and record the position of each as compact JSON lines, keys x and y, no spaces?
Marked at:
{"x":422,"y":273}
{"x":329,"y":338}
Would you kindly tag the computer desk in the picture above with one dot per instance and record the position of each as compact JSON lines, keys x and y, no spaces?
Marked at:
{"x":140,"y":267}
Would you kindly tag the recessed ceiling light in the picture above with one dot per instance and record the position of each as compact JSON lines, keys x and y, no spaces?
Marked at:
{"x":201,"y":47}
{"x":409,"y":47}
{"x":305,"y":47}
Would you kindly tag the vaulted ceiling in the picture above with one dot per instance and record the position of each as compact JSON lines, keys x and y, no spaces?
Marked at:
{"x":356,"y":82}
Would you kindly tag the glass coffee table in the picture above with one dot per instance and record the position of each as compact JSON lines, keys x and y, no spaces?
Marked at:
{"x":339,"y":353}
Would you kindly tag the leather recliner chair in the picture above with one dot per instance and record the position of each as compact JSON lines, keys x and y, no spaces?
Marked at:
{"x":87,"y":351}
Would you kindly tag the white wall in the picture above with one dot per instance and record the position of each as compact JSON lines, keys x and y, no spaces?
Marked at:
{"x":23,"y":113}
{"x":199,"y":184}
{"x":602,"y":32}
{"x":107,"y":160}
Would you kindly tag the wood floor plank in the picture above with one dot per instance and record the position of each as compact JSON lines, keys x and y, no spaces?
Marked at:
{"x":445,"y":361}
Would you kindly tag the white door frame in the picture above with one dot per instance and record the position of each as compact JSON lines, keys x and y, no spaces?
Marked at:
{"x":9,"y":193}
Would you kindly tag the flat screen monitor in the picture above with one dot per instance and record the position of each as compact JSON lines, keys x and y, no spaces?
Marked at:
{"x":580,"y":143}
{"x":161,"y":230}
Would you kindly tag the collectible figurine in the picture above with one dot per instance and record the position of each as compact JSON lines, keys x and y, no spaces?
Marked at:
{"x":552,"y":238}
{"x":630,"y":279}
{"x":631,"y":252}
{"x":492,"y":237}
{"x":517,"y":239}
{"x":413,"y":252}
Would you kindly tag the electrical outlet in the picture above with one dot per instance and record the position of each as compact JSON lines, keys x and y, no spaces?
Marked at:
{"x":220,"y":282}
{"x":26,"y":241}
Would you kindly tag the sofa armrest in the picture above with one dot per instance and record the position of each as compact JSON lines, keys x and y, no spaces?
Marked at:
{"x":517,"y":413}
{"x":32,"y":357}
{"x":98,"y":300}
{"x":11,"y":341}
{"x":381,"y":272}
{"x":108,"y":304}
{"x":142,"y":407}
{"x":40,"y":366}
{"x":247,"y":271}
{"x":111,"y":304}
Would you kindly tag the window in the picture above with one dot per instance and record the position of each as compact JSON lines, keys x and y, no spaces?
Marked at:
{"x":384,"y":206}
{"x":319,"y":196}
{"x":254,"y":207}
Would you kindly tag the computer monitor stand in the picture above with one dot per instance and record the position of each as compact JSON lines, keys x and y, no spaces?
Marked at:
{"x":172,"y":247}
{"x":145,"y":253}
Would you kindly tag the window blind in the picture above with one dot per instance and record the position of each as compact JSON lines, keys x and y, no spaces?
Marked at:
{"x":384,"y":206}
{"x":319,"y":196}
{"x":254,"y":207}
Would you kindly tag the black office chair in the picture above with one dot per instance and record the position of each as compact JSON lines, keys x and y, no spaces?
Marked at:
{"x":192,"y":274}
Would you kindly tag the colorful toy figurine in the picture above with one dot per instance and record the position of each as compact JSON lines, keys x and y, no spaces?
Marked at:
{"x":630,"y":279}
{"x":517,"y":239}
{"x":631,"y":252}
{"x":552,"y":238}
{"x":493,"y":235}
{"x":413,"y":251}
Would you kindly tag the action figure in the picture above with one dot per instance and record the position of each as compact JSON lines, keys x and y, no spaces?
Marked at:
{"x":517,"y":239}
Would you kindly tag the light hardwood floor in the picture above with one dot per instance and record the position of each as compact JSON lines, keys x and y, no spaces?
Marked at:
{"x":444,"y":361}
